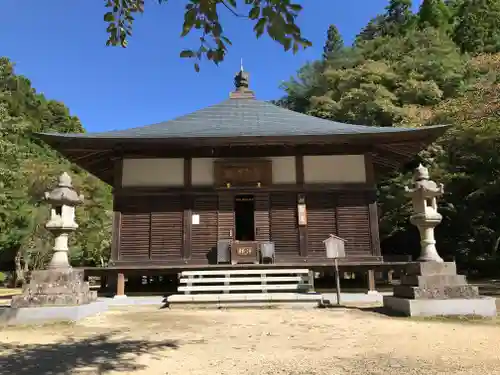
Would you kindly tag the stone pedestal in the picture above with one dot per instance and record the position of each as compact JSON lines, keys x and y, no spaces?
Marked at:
{"x":55,"y":287}
{"x":435,"y":289}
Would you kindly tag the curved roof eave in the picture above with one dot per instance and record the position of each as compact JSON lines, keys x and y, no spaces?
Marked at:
{"x":396,"y":135}
{"x":244,"y":120}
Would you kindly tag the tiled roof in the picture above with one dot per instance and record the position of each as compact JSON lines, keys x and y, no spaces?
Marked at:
{"x":240,"y":117}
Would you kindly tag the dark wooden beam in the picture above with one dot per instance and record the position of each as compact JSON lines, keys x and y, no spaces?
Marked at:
{"x":299,"y":179}
{"x":188,"y":209}
{"x":115,"y":239}
{"x":140,"y":191}
{"x":372,"y":206}
{"x":245,"y":151}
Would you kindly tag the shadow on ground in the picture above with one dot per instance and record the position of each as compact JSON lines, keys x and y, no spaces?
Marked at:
{"x":95,"y":355}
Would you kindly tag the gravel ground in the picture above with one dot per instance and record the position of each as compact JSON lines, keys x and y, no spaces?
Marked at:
{"x":145,"y":340}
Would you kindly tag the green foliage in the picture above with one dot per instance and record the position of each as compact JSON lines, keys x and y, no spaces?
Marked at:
{"x":396,"y":21}
{"x":418,"y":76}
{"x":433,"y":13}
{"x":334,"y":42}
{"x":399,"y":17}
{"x":386,"y":79}
{"x":477,"y":26}
{"x":276,"y":18}
{"x":28,"y":168}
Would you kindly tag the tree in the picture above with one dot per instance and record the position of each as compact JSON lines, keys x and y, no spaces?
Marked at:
{"x":433,"y":13}
{"x":374,"y":29}
{"x":275,"y":17}
{"x":398,"y":18}
{"x":396,"y":21}
{"x":334,"y":42}
{"x":477,"y":29}
{"x":390,"y":80}
{"x":416,"y":79}
{"x":28,"y":168}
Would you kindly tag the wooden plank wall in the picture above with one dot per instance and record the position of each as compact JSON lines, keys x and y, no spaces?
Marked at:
{"x":283,"y":222}
{"x":353,"y":222}
{"x":321,"y":221}
{"x":153,"y":228}
{"x":166,"y":229}
{"x":262,"y":217}
{"x":225,"y":216}
{"x":204,"y":234}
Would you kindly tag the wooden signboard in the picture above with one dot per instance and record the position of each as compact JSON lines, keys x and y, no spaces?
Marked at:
{"x":255,"y":173}
{"x":244,"y":252}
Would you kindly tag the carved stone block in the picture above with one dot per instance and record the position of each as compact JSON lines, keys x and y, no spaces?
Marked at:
{"x":431,"y":268}
{"x":55,"y":287}
{"x":433,"y":281}
{"x":443,"y":292}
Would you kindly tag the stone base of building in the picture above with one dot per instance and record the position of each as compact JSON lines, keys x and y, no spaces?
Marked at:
{"x":481,"y":307}
{"x":435,"y":289}
{"x":55,"y":287}
{"x":49,"y":314}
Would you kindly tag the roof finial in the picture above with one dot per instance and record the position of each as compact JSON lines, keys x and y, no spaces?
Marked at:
{"x":241,"y":79}
{"x":241,"y":85}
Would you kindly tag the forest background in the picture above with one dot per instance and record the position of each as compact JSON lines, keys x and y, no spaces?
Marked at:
{"x":440,"y":65}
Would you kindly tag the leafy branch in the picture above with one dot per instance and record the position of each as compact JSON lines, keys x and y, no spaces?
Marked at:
{"x":275,"y":17}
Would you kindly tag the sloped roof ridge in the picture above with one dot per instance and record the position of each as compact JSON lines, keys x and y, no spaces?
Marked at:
{"x":241,"y":117}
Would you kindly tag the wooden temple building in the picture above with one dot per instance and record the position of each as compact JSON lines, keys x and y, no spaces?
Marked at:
{"x":209,"y":188}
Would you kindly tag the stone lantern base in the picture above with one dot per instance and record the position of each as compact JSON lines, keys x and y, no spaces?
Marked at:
{"x":435,"y":289}
{"x":54,"y":294}
{"x":55,"y":287}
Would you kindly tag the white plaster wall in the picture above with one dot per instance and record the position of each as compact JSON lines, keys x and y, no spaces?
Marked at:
{"x":153,"y":172}
{"x":202,"y":171}
{"x":283,"y":170}
{"x":334,"y":169}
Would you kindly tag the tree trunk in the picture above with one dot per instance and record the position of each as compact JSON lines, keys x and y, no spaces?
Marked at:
{"x":20,"y":274}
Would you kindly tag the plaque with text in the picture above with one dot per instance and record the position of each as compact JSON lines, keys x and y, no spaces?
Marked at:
{"x":243,"y":173}
{"x":244,"y":252}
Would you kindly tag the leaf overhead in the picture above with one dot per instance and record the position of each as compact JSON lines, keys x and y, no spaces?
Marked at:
{"x":278,"y":18}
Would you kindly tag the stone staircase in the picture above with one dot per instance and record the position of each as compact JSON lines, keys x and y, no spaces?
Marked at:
{"x":246,"y":287}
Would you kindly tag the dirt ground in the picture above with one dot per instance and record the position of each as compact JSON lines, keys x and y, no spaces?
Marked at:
{"x":148,"y":340}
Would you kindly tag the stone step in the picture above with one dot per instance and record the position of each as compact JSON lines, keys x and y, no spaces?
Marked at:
{"x":255,"y":279}
{"x":241,"y":288}
{"x":273,"y":298}
{"x":268,"y":271}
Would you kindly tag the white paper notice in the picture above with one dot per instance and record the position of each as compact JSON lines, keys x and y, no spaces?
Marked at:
{"x":195,"y":219}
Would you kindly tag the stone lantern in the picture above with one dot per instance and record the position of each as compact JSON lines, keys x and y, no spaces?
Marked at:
{"x":424,"y":193}
{"x":60,"y":288}
{"x":63,"y":200}
{"x":431,"y":287}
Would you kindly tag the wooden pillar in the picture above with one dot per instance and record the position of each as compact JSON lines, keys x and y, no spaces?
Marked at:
{"x":299,"y":179}
{"x":120,"y":285}
{"x":371,"y":282}
{"x":103,"y":281}
{"x":188,"y":210}
{"x":117,"y":215}
{"x":390,"y":273}
{"x":372,"y":206}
